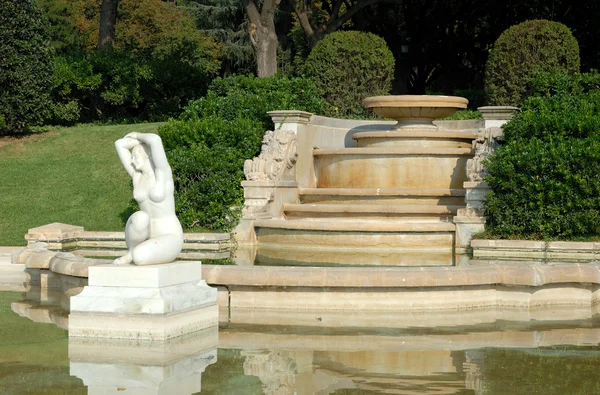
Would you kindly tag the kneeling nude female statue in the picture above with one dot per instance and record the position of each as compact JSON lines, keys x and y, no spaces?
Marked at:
{"x":153,"y":234}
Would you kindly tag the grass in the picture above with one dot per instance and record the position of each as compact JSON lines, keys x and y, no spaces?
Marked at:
{"x":69,"y":175}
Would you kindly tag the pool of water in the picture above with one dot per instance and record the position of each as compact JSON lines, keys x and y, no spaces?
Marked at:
{"x":560,"y":357}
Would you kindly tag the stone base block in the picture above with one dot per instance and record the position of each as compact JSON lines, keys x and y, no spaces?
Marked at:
{"x":143,"y":326}
{"x":466,"y":227}
{"x":156,"y":302}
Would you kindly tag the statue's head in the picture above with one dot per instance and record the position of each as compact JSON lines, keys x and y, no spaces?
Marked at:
{"x":140,"y":156}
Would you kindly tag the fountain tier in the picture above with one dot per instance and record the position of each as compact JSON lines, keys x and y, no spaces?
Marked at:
{"x":396,"y":192}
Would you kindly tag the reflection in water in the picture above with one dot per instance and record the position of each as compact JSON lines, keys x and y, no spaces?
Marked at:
{"x":535,"y":357}
{"x":172,"y":367}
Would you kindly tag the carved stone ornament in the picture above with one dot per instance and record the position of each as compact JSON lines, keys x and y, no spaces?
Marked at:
{"x":277,"y":158}
{"x":486,"y":143}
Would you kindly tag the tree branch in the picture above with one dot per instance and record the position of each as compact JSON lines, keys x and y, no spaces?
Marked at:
{"x":304,"y":13}
{"x":335,"y":23}
{"x":252,"y":11}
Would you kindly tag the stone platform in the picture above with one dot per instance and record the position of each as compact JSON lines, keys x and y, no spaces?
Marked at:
{"x":157,"y":302}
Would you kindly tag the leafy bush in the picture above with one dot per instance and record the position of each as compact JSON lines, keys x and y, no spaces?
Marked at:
{"x":207,"y":158}
{"x":160,"y":62}
{"x":524,"y":50}
{"x":463,"y":115}
{"x":209,"y":143}
{"x":544,"y":179}
{"x":347,"y":67}
{"x":25,"y":65}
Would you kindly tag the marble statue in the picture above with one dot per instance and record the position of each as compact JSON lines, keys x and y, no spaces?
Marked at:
{"x":153,"y":234}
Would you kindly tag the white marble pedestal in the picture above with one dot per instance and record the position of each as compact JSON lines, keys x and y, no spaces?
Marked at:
{"x":157,"y":302}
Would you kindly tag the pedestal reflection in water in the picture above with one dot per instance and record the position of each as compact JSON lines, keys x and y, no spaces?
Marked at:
{"x":536,"y":356}
{"x":111,"y":366}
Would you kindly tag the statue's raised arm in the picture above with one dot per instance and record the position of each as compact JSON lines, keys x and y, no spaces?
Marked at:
{"x":153,"y":234}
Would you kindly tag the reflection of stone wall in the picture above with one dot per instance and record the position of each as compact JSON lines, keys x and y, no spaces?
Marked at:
{"x":276,"y":369}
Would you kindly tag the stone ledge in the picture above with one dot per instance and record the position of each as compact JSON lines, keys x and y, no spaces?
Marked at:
{"x":557,"y":250}
{"x":408,"y":277}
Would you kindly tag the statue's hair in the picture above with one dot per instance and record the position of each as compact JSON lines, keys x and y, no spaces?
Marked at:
{"x":145,"y":149}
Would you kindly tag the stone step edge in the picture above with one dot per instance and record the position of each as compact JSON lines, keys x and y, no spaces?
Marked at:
{"x":415,"y":134}
{"x":392,"y":151}
{"x":384,"y":277}
{"x":376,"y":192}
{"x":347,"y":226}
{"x":371,"y":208}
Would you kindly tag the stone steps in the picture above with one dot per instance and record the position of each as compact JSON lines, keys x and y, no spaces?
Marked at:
{"x":372,"y":212}
{"x":414,"y":138}
{"x":400,"y":196}
{"x":355,"y":226}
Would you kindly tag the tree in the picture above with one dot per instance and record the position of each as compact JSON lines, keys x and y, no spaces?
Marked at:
{"x":338,"y":13}
{"x":262,"y":34}
{"x":226,"y":21}
{"x":25,"y":65}
{"x":108,"y":20}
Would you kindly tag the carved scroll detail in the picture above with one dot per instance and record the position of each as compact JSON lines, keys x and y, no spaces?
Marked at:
{"x":277,"y":157}
{"x":486,"y":143}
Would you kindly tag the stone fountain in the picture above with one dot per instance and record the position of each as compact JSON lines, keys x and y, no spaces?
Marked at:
{"x":363,"y":188}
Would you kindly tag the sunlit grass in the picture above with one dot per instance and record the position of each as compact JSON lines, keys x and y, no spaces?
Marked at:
{"x":69,"y":175}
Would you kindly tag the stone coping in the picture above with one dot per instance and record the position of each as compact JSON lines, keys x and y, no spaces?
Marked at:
{"x":356,"y":277}
{"x":536,"y":245}
{"x":409,"y":277}
{"x":70,"y":234}
{"x":120,"y":236}
{"x":533,"y":249}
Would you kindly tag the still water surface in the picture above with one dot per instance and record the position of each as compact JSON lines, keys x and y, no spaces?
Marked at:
{"x":560,"y":357}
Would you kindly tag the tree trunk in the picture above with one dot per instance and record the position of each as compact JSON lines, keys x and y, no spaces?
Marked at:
{"x":266,"y":52}
{"x":108,"y":19}
{"x":263,"y":35}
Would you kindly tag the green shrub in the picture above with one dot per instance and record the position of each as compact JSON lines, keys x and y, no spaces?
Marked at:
{"x":463,"y":115}
{"x":544,"y":178}
{"x":25,"y":65}
{"x":347,"y":67}
{"x":251,"y":97}
{"x":524,"y":50}
{"x":207,"y":158}
{"x":208,"y":145}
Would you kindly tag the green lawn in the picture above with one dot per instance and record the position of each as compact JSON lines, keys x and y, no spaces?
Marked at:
{"x":70,"y":175}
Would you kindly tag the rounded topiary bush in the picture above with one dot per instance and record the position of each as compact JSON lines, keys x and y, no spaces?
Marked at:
{"x":348,"y":66}
{"x":25,"y":65}
{"x":523,"y":51}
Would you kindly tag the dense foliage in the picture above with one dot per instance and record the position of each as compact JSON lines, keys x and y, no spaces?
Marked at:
{"x":347,"y":67}
{"x":25,"y":65}
{"x":160,"y":62}
{"x":208,"y":144}
{"x":523,"y":51}
{"x":544,"y":179}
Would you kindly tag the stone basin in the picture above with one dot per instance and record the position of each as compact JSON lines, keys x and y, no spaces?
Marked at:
{"x":415,"y":111}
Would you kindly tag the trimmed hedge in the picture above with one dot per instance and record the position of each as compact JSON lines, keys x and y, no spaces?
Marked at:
{"x":347,"y":67}
{"x":521,"y":52}
{"x":25,"y":65}
{"x":208,"y":145}
{"x":544,"y":179}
